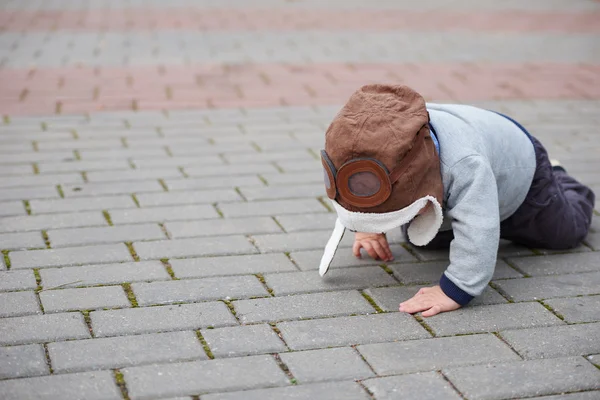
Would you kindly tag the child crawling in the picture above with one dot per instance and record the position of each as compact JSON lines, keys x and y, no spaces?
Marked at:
{"x":451,"y":176}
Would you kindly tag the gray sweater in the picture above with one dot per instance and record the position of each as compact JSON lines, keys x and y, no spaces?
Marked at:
{"x":487,"y":165}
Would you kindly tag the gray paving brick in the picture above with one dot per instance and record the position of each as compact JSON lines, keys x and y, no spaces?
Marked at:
{"x":213,"y":246}
{"x":559,"y":264}
{"x":547,"y":287}
{"x":10,"y":208}
{"x":163,"y":214}
{"x":425,"y":386}
{"x":14,"y":304}
{"x":97,"y":385}
{"x":56,"y":221}
{"x":577,"y":309}
{"x":288,"y":242}
{"x":69,"y":256}
{"x":101,"y":235}
{"x":203,"y":376}
{"x":103,"y":274}
{"x":133,"y":175}
{"x":156,"y":162}
{"x":271,"y":208}
{"x":243,"y":340}
{"x":307,"y":222}
{"x":213,"y":182}
{"x":594,"y":359}
{"x":326,"y":364}
{"x":190,"y":197}
{"x":231,"y":265}
{"x":525,"y":378}
{"x":74,"y":144}
{"x":266,"y":156}
{"x":22,"y":361}
{"x":310,"y":281}
{"x":83,"y":299}
{"x":119,"y":154}
{"x":42,"y":328}
{"x":436,"y":353}
{"x":389,"y":298}
{"x":345,"y":331}
{"x":17,"y":280}
{"x":308,"y":260}
{"x":297,"y":166}
{"x":39,"y":180}
{"x":38,"y":192}
{"x":301,"y":306}
{"x":80,"y":166}
{"x":278,"y":178}
{"x":593,"y":240}
{"x":15,"y":241}
{"x":327,"y":390}
{"x":25,"y":158}
{"x":492,"y":318}
{"x":505,"y":249}
{"x":283,"y":192}
{"x":112,"y":188}
{"x":575,"y":340}
{"x":236,"y":226}
{"x":411,"y":274}
{"x":81,"y":204}
{"x":161,"y":319}
{"x":593,"y":395}
{"x":226,"y":170}
{"x":125,"y":351}
{"x":192,"y":290}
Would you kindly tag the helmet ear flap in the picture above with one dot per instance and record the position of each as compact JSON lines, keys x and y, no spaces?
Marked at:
{"x":329,"y":175}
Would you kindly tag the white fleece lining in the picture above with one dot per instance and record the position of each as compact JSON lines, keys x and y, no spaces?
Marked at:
{"x":420,"y":232}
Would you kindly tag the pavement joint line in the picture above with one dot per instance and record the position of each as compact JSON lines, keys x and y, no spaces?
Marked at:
{"x":135,"y":200}
{"x":204,"y":344}
{"x":261,"y":278}
{"x":47,"y":358}
{"x":163,"y":228}
{"x":121,"y":384}
{"x":366,"y":389}
{"x":279,"y":224}
{"x":499,"y":336}
{"x":77,"y":155}
{"x":34,"y":144}
{"x":229,"y":305}
{"x":88,"y":322}
{"x":46,"y":239}
{"x":183,"y":173}
{"x":124,"y":142}
{"x":263,"y":180}
{"x":372,"y":302}
{"x":163,"y":184}
{"x":130,"y":295}
{"x":354,"y":347}
{"x":107,"y":217}
{"x":165,"y":262}
{"x":27,"y":206}
{"x":7,"y":262}
{"x":424,"y":324}
{"x":502,"y":293}
{"x":278,"y":167}
{"x":451,"y":384}
{"x":36,"y":168}
{"x":84,"y":177}
{"x":168,"y":151}
{"x":60,"y":191}
{"x":324,"y":204}
{"x":132,"y":251}
{"x":275,"y":329}
{"x":239,"y":192}
{"x":552,"y":310}
{"x":285,"y":369}
{"x":511,"y":264}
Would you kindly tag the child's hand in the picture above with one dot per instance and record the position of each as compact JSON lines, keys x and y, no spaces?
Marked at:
{"x":375,"y":244}
{"x":430,"y":300}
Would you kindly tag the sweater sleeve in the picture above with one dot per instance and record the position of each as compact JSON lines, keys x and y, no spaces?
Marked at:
{"x":472,"y":206}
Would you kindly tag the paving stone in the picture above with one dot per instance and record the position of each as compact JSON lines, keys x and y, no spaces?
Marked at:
{"x":555,"y":341}
{"x":525,"y":378}
{"x":425,"y":386}
{"x":12,"y":208}
{"x":288,"y":242}
{"x":307,"y":222}
{"x":193,"y":290}
{"x":271,"y":208}
{"x":103,"y":274}
{"x":434,"y":354}
{"x":39,"y":192}
{"x":243,"y":340}
{"x":236,"y":226}
{"x":593,"y":240}
{"x":301,"y":306}
{"x":505,"y":249}
{"x":161,"y":319}
{"x":558,"y":264}
{"x":389,"y":298}
{"x":17,"y":280}
{"x":225,"y":170}
{"x":231,"y":265}
{"x":109,"y":234}
{"x":206,"y":159}
{"x":39,"y":180}
{"x":411,"y":274}
{"x":97,"y":385}
{"x":327,"y":390}
{"x":163,"y":214}
{"x":213,"y":182}
{"x":14,"y":304}
{"x":573,"y":396}
{"x":310,"y":259}
{"x":80,"y":204}
{"x":283,"y":192}
{"x":492,"y":318}
{"x":190,"y":197}
{"x":594,"y":358}
{"x":84,"y":299}
{"x":80,"y":166}
{"x":22,"y":361}
{"x":51,"y":221}
{"x":24,"y":240}
{"x":125,"y":351}
{"x":203,"y":376}
{"x":278,"y":178}
{"x":69,"y":256}
{"x":268,"y":156}
{"x":133,"y":175}
{"x":42,"y":328}
{"x":326,"y":364}
{"x":212,"y":246}
{"x":119,"y":154}
{"x":547,"y":287}
{"x":577,"y":309}
{"x":112,"y":188}
{"x":346,"y":331}
{"x":311,"y":281}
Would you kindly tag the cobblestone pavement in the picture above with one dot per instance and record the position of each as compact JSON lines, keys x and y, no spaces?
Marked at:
{"x":162,"y":212}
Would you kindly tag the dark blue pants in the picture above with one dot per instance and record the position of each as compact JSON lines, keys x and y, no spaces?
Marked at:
{"x":556,"y":213}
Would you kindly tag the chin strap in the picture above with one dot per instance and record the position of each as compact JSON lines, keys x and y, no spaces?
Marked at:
{"x":331,"y":247}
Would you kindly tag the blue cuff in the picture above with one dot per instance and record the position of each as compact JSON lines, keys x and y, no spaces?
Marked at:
{"x":454,"y":292}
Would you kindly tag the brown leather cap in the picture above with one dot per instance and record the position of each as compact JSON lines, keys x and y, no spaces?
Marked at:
{"x":383,"y":122}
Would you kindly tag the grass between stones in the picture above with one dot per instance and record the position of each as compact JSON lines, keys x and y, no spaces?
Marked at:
{"x":205,"y":345}
{"x":120,"y":381}
{"x":107,"y":217}
{"x":372,"y":302}
{"x":130,"y":295}
{"x":169,"y":268}
{"x":132,"y":251}
{"x":6,"y":258}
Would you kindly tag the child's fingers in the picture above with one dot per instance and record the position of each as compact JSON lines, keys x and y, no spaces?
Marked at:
{"x":369,"y":248}
{"x":432,"y":311}
{"x":381,"y":253}
{"x":356,"y":249}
